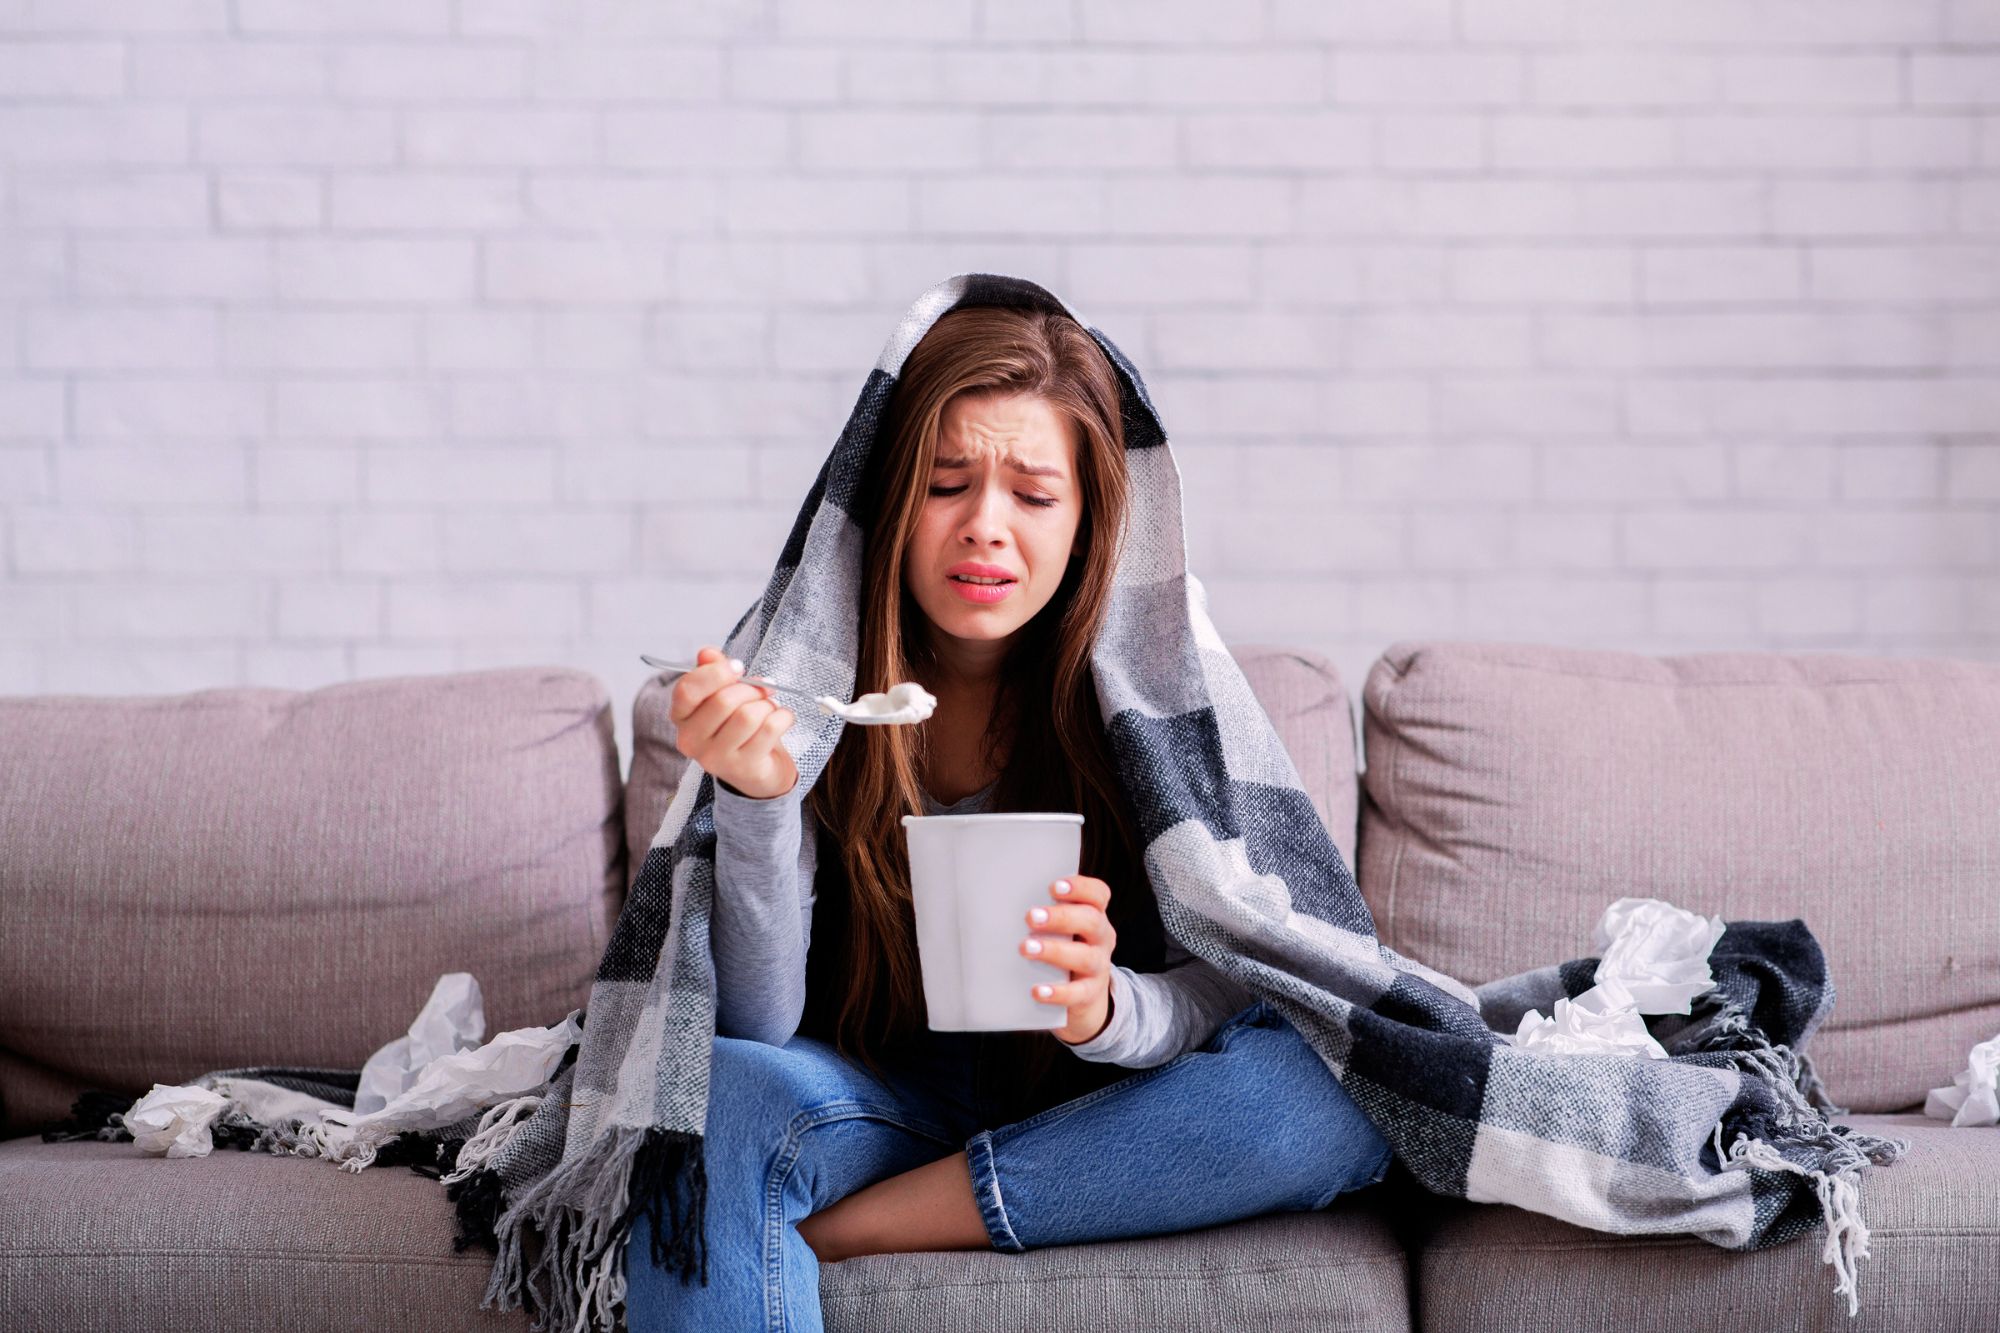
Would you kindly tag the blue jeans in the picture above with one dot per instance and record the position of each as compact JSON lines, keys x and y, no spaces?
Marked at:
{"x":1250,"y":1123}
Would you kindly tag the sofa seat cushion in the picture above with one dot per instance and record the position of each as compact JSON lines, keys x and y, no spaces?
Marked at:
{"x":1934,"y":1226}
{"x":102,"y":1236}
{"x":1339,"y":1268}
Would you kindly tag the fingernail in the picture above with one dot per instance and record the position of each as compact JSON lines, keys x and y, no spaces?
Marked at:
{"x":1034,"y":946}
{"x":736,"y":665}
{"x":1044,"y":991}
{"x":1062,"y":886}
{"x":1038,"y":915}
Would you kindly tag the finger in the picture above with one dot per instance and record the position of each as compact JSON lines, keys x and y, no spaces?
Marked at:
{"x":1067,"y":994}
{"x":1082,"y":889}
{"x":1079,"y":958}
{"x":771,"y":724}
{"x":1089,"y":922}
{"x":737,"y":729}
{"x":707,"y":720}
{"x":696,"y":687}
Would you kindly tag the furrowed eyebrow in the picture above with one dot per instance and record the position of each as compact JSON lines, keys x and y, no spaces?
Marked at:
{"x":1018,"y":464}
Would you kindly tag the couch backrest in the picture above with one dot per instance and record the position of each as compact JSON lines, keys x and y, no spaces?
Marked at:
{"x":1512,"y":791}
{"x":1300,"y":690}
{"x":248,"y":876}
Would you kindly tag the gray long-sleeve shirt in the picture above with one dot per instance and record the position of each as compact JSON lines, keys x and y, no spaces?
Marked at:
{"x":762,"y":925}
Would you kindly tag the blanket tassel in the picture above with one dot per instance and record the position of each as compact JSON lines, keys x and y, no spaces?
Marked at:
{"x":94,"y":1115}
{"x":583,"y":1211}
{"x":478,"y":1200}
{"x":1802,"y":1105}
{"x":496,"y":1127}
{"x":1839,"y":1201}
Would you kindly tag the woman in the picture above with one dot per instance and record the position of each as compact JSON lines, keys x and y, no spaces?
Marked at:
{"x":838,"y":1125}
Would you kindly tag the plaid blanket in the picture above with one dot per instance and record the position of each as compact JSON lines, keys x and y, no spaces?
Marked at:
{"x":1725,"y":1139}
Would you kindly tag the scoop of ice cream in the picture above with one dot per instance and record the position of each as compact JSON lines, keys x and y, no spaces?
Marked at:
{"x":907,"y":702}
{"x":914,"y":697}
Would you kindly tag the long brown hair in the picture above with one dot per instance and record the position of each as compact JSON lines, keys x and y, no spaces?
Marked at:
{"x":1055,"y":758}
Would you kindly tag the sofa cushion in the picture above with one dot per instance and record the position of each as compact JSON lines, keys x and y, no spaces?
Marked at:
{"x":1338,"y":1268}
{"x":101,"y":1236}
{"x":104,"y":1237}
{"x":1300,"y":690}
{"x":1933,"y":1228}
{"x":1513,"y":791}
{"x":262,"y":876}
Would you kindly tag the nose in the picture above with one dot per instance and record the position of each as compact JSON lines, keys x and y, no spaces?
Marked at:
{"x":985,"y":524}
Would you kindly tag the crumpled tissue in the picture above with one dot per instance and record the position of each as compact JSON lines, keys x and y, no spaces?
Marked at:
{"x":1601,"y":1021}
{"x":456,"y":1078}
{"x":1658,"y":951}
{"x":453,"y":1019}
{"x":1973,"y":1098}
{"x":1653,"y":960}
{"x":173,"y":1120}
{"x":449,"y":1089}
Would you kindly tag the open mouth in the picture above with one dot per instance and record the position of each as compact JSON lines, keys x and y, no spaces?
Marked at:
{"x":975,"y":589}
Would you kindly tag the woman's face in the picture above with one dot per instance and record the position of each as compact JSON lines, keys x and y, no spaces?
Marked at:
{"x":1002,"y":501}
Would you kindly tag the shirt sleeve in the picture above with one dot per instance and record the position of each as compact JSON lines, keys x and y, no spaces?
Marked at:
{"x":761,"y":924}
{"x":1156,"y":1016}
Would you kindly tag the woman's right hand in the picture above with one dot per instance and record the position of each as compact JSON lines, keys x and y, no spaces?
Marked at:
{"x":732,"y":729}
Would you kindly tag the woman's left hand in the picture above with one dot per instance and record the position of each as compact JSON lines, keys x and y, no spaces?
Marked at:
{"x":1087,"y":955}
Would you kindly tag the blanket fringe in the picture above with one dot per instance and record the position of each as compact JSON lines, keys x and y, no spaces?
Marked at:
{"x":584,"y":1210}
{"x":336,"y":1142}
{"x":496,"y":1128}
{"x":1839,"y":1194}
{"x":94,"y":1115}
{"x":1800,"y":1124}
{"x":1813,"y":1089}
{"x":478,"y":1200}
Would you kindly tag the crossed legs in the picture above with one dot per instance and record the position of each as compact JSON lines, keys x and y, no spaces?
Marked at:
{"x":929,"y":1208}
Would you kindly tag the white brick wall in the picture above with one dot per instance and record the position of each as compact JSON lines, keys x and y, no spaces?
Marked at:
{"x":353,"y":339}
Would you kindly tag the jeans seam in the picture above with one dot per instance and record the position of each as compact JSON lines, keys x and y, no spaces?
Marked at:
{"x":1381,"y":1171}
{"x":992,"y":1206}
{"x":781,"y":1171}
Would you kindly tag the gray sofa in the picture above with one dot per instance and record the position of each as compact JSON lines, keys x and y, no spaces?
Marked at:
{"x":252,"y":876}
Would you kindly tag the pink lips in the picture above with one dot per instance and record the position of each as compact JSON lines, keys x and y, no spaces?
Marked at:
{"x":981,"y":592}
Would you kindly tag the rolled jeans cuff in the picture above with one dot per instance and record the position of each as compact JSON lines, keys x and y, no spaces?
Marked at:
{"x":986,"y":1190}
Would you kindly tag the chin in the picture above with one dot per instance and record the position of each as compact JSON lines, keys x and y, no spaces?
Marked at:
{"x":983,"y":629}
{"x":968,"y":622}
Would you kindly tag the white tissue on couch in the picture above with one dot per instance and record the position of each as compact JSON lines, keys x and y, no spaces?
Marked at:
{"x":448,"y":1090}
{"x":173,"y":1121}
{"x":453,"y":1019}
{"x":1653,"y":959}
{"x":1657,"y":951}
{"x":1973,"y":1098}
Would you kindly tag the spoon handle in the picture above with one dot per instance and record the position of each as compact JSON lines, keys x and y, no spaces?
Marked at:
{"x":679,"y":668}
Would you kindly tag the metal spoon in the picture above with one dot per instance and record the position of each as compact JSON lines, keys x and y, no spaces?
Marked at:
{"x":856,"y":712}
{"x":680,"y":668}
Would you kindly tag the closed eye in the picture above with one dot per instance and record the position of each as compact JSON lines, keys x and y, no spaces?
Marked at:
{"x":954,"y":490}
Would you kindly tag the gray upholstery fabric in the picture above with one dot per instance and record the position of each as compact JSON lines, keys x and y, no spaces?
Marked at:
{"x":256,"y":876}
{"x":1515,"y":790}
{"x":100,"y":1236}
{"x":1934,"y":1233}
{"x":1337,"y":1269}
